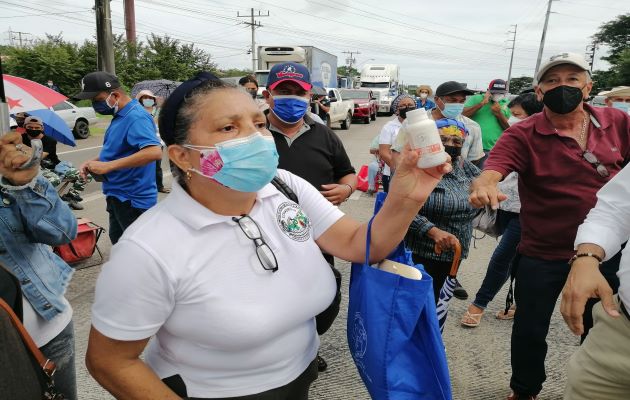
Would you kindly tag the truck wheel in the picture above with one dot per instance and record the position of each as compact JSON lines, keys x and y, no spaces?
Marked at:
{"x":373,"y":117}
{"x":345,"y":124}
{"x":81,"y":129}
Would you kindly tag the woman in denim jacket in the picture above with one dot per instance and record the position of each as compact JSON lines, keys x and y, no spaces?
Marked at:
{"x":33,"y":218}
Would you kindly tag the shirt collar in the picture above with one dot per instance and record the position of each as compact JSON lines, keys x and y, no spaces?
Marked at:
{"x":122,"y":113}
{"x":598,"y":118}
{"x":188,"y":210}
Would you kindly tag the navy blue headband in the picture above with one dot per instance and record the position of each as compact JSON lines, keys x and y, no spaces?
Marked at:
{"x":168,"y":113}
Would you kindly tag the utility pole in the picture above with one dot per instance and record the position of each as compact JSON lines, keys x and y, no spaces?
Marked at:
{"x":590,"y":53}
{"x":130,"y":27}
{"x":19,"y":35}
{"x":104,"y":41}
{"x":513,"y":40}
{"x":350,"y":60}
{"x":253,"y":24}
{"x":542,"y":39}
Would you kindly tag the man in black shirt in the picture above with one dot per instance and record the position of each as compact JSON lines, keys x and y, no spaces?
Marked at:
{"x":53,"y":168}
{"x":308,"y":149}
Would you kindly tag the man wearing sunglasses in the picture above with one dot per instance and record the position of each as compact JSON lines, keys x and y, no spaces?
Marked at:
{"x":563,"y":155}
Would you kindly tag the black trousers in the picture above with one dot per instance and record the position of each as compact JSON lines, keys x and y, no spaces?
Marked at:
{"x":385,"y":180}
{"x":538,"y":285}
{"x":295,"y":390}
{"x":159,"y":181}
{"x":437,"y":269}
{"x":121,"y":215}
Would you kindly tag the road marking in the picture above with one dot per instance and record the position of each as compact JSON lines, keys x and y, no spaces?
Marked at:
{"x":76,"y":151}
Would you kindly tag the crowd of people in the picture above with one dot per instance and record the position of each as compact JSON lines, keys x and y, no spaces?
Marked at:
{"x":254,"y":215}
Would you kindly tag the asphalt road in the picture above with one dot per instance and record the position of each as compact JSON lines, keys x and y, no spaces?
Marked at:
{"x":478,"y":358}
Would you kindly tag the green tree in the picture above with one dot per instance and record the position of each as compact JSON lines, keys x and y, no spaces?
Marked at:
{"x":52,"y":58}
{"x":519,"y":84}
{"x":603,"y":80}
{"x":344,"y":71}
{"x":616,"y":35}
{"x":233,"y":72}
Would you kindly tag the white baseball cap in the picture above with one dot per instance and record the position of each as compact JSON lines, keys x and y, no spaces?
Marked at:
{"x":562,"y":58}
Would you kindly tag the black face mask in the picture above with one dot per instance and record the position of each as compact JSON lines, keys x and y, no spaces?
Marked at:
{"x":563,"y":99}
{"x":20,"y":123}
{"x":402,"y":112}
{"x":252,"y":93}
{"x":33,"y":132}
{"x":453,"y":151}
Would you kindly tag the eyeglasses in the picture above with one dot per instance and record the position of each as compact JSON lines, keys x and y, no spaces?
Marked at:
{"x":264,"y":253}
{"x":457,"y":140}
{"x":601,"y":169}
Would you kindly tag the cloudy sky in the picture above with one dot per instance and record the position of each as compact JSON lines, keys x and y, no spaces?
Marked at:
{"x":432,"y":41}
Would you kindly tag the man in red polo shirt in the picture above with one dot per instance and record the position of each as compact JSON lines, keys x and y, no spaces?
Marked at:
{"x":563,"y":155}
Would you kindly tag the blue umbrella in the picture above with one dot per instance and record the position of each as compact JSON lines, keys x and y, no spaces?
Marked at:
{"x":55,"y":126}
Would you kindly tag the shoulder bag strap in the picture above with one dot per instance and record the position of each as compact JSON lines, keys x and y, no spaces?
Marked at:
{"x":47,"y":365}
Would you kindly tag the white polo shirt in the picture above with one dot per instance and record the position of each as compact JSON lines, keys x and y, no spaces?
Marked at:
{"x":192,"y":278}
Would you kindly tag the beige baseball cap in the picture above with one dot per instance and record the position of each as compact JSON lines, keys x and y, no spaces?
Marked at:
{"x":562,"y":58}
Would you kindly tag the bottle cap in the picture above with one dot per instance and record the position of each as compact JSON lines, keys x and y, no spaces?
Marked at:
{"x":417,"y":115}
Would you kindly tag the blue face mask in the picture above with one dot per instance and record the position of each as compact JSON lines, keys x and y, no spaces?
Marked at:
{"x":290,"y":109}
{"x":148,"y":102}
{"x":452,"y":110}
{"x":244,"y":164}
{"x":102,"y":107}
{"x":623,"y":106}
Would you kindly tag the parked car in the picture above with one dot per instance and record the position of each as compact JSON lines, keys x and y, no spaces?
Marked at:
{"x":598,"y":101}
{"x":365,"y":104}
{"x":78,"y":119}
{"x":340,"y":109}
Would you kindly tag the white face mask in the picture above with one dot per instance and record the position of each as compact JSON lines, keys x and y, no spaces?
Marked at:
{"x":498,"y":97}
{"x":423,"y":96}
{"x":513,"y":120}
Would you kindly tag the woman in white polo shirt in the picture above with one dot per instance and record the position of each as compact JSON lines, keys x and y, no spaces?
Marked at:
{"x":222,"y":280}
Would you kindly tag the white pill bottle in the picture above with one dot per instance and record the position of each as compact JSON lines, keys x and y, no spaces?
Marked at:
{"x":422,"y":133}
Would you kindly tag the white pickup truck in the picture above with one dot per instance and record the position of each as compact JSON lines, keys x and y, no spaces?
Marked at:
{"x":340,"y":110}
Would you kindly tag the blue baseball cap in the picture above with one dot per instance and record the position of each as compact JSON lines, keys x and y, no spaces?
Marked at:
{"x":289,"y":71}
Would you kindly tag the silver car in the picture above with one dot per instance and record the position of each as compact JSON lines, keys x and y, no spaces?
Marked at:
{"x":78,"y":119}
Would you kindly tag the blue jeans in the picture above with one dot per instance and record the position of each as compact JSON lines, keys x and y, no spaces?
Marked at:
{"x":372,"y":172}
{"x":501,"y":261}
{"x":61,"y":351}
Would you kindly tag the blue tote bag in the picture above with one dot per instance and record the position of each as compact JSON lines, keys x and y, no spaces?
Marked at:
{"x":393,"y":331}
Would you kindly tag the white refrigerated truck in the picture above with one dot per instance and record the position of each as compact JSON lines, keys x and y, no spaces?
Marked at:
{"x":382,"y":78}
{"x":321,"y":64}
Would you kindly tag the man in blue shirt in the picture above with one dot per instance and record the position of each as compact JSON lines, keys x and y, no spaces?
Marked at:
{"x":126,"y":165}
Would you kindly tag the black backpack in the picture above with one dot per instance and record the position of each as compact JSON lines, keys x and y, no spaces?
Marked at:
{"x":325,"y":319}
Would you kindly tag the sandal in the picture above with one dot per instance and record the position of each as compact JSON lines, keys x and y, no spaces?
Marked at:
{"x":164,"y":190}
{"x":471,"y":320}
{"x":506,"y":316}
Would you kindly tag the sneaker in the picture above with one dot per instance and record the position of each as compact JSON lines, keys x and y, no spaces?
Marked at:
{"x":322,"y":365}
{"x":75,"y":197}
{"x":71,"y":202}
{"x":74,"y":204}
{"x":459,"y":292}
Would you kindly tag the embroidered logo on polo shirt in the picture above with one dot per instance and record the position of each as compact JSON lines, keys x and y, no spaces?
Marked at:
{"x":294,"y":223}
